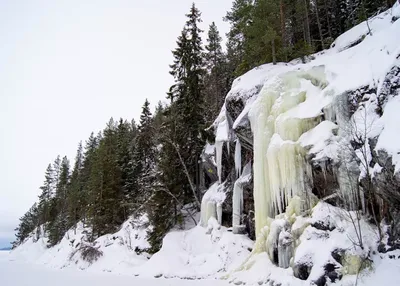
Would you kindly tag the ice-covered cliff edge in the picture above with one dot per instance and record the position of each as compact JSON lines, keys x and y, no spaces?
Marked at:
{"x":325,"y":129}
{"x":288,"y":113}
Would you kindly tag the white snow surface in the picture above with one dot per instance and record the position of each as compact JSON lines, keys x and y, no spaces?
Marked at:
{"x":21,"y":273}
{"x":187,"y":254}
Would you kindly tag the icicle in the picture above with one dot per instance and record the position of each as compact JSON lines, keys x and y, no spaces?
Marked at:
{"x":218,"y":149}
{"x":238,"y":158}
{"x":285,"y":249}
{"x":219,"y":213}
{"x":237,"y":204}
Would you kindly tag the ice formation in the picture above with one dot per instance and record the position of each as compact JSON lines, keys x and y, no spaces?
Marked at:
{"x":237,"y":198}
{"x":219,"y":145}
{"x":237,"y":205}
{"x":288,"y":106}
{"x":238,"y":158}
{"x":222,"y":136}
{"x":211,"y":204}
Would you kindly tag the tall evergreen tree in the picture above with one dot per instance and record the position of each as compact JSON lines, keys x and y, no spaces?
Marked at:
{"x":217,"y":79}
{"x":106,"y":213}
{"x":239,"y":17}
{"x":46,"y":195}
{"x":125,"y":137}
{"x":144,"y":156}
{"x":181,"y":139}
{"x":59,"y":226}
{"x":75,"y":190}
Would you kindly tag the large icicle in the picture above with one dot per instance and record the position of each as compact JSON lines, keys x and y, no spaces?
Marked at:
{"x":222,"y":135}
{"x":219,"y":145}
{"x":237,"y":205}
{"x":237,"y":199}
{"x":288,"y":106}
{"x":238,"y":158}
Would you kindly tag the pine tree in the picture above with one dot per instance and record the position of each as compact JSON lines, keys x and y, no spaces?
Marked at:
{"x":46,"y":195}
{"x":263,"y":37}
{"x":181,"y":138}
{"x":75,"y":189}
{"x":106,"y":213}
{"x":188,"y":109}
{"x":239,"y":17}
{"x":125,"y":163}
{"x":28,"y":222}
{"x":217,"y":79}
{"x":144,"y":156}
{"x":59,"y":225}
{"x":57,"y":171}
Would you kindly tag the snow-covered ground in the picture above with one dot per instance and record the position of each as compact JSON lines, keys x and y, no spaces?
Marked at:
{"x":197,"y":253}
{"x":18,"y":273}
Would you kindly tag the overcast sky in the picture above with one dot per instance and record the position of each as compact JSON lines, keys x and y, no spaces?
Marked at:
{"x":66,"y":67}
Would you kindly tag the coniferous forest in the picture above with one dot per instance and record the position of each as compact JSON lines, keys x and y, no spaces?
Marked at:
{"x":154,"y":166}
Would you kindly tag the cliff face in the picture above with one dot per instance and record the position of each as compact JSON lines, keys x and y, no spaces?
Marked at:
{"x":324,"y":130}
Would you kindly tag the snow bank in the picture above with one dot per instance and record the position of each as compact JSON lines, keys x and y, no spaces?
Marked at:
{"x":119,"y":250}
{"x":189,"y":254}
{"x":198,"y":253}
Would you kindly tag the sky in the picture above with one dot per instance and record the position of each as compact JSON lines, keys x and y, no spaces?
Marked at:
{"x":66,"y":68}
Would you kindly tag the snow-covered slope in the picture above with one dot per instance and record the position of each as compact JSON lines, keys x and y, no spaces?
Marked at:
{"x":189,"y":254}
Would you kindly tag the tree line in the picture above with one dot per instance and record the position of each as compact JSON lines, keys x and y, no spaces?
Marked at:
{"x":153,"y":167}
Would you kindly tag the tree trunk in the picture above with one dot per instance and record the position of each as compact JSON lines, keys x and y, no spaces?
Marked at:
{"x":307,"y":23}
{"x":192,"y":186}
{"x":273,"y":51}
{"x":328,"y":21}
{"x":283,"y":29}
{"x":319,"y":25}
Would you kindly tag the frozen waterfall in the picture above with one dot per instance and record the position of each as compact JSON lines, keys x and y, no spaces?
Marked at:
{"x":287,"y":106}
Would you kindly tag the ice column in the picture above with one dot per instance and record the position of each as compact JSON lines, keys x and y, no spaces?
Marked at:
{"x":238,"y":158}
{"x":237,"y":205}
{"x":219,"y":145}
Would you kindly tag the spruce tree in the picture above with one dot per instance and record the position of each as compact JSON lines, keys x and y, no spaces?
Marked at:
{"x":144,"y":156}
{"x":125,"y":139}
{"x":59,"y":225}
{"x":239,"y":17}
{"x":217,"y":79}
{"x":75,"y":190}
{"x":106,"y":213}
{"x":46,"y":195}
{"x":181,"y":139}
{"x":188,"y":71}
